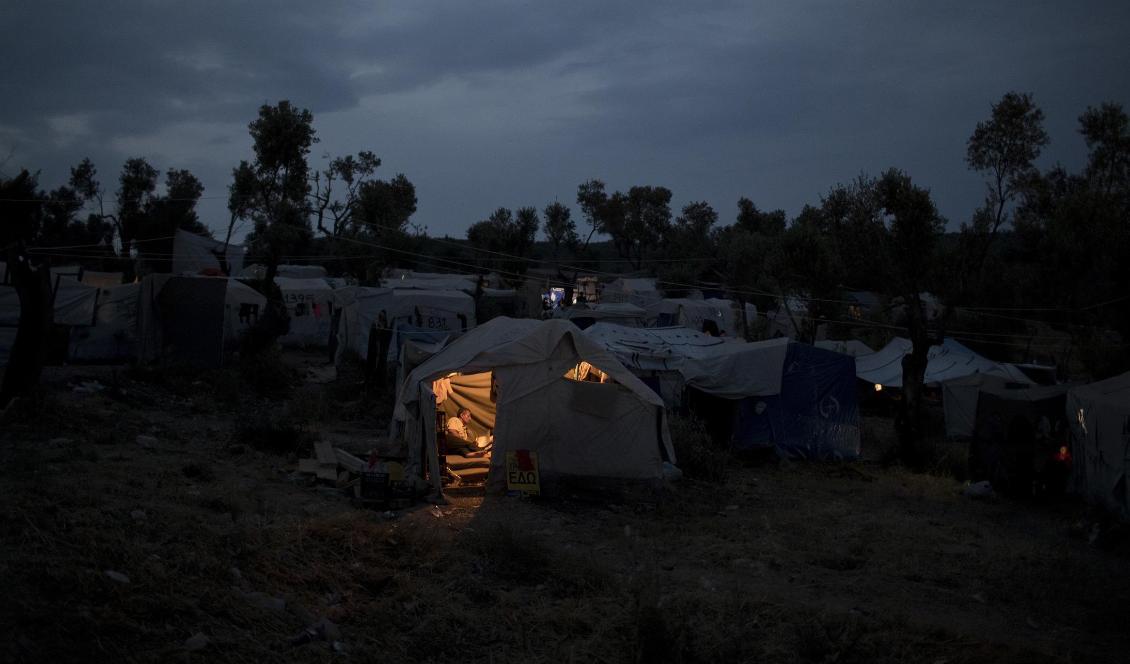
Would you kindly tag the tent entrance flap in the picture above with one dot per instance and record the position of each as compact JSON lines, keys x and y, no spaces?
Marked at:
{"x":466,"y":465}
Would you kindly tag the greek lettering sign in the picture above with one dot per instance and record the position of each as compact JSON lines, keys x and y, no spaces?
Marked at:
{"x":522,"y":472}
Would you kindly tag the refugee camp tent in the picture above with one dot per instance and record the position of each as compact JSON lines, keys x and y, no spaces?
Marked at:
{"x":949,"y":360}
{"x":181,"y":320}
{"x":1099,"y":417}
{"x":694,"y":314}
{"x":584,"y":315}
{"x":449,"y":312}
{"x":242,"y":307}
{"x":959,"y":402}
{"x":637,"y":291}
{"x":1019,"y":433}
{"x":195,"y":254}
{"x":74,"y":302}
{"x":524,"y":379}
{"x":112,"y":334}
{"x":309,"y":303}
{"x":794,"y":397}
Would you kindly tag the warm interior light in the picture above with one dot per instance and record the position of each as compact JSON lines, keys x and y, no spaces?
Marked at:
{"x":878,"y":387}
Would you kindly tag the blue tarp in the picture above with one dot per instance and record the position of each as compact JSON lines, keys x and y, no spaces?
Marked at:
{"x":816,"y":414}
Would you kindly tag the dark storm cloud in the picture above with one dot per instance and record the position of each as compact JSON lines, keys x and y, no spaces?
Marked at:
{"x":506,"y":102}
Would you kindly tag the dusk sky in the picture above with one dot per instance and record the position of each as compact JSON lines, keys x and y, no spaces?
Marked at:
{"x":490,"y":104}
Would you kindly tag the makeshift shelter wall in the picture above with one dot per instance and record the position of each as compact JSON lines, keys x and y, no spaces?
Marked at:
{"x":959,"y":402}
{"x":309,"y":303}
{"x":814,"y":416}
{"x":729,"y":369}
{"x":945,"y":362}
{"x":102,"y":279}
{"x":193,"y":254}
{"x":181,"y":320}
{"x":1099,"y":417}
{"x":450,"y":312}
{"x":114,"y":335}
{"x":74,"y":302}
{"x":242,"y":307}
{"x":1017,"y":433}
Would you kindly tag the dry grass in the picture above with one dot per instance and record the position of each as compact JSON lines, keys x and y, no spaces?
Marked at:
{"x":797,"y":563}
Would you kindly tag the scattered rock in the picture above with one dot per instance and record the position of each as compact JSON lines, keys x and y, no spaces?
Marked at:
{"x":731,"y":508}
{"x":627,"y":531}
{"x":60,"y":442}
{"x":147,"y":442}
{"x":339,"y":647}
{"x":980,"y":597}
{"x":138,"y":515}
{"x":197,"y":641}
{"x":265,"y":601}
{"x":117,"y":576}
{"x":979,"y":491}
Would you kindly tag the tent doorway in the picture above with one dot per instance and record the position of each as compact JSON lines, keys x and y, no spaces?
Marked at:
{"x":465,"y":462}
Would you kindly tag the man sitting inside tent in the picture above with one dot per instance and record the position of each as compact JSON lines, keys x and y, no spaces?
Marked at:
{"x":459,"y":438}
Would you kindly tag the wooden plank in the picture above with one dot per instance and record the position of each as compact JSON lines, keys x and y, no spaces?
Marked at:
{"x":324,"y":450}
{"x":348,"y":461}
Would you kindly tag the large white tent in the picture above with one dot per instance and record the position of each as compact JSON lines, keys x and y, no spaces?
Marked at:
{"x":1099,"y":417}
{"x":615,"y":428}
{"x":946,"y":361}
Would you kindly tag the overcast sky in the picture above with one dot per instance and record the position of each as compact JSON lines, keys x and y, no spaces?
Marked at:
{"x":486,"y":104}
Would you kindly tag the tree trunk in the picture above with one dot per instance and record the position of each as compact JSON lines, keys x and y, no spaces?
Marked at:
{"x":29,"y":350}
{"x":913,"y":379}
{"x":275,"y":321}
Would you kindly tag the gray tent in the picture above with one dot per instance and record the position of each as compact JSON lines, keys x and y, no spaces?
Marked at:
{"x":1099,"y":416}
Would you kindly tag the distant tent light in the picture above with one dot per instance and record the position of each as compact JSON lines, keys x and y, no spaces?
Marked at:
{"x":878,"y":387}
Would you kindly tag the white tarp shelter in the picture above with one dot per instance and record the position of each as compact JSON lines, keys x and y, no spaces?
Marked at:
{"x":309,"y":303}
{"x":194,"y":254}
{"x":113,"y":335}
{"x":959,"y":402}
{"x":449,"y":283}
{"x":945,"y":362}
{"x":1099,"y":417}
{"x":638,"y":291}
{"x":693,"y":314}
{"x":362,"y":307}
{"x":727,"y":368}
{"x":615,"y":429}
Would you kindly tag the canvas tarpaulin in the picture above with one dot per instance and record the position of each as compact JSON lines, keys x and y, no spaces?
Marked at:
{"x":726,"y":368}
{"x":815,"y":415}
{"x":447,"y":312}
{"x":945,"y":362}
{"x":74,"y":302}
{"x":309,"y":303}
{"x":194,"y":254}
{"x":181,"y":320}
{"x":113,"y":336}
{"x":694,"y":314}
{"x":536,"y":408}
{"x":1099,"y":417}
{"x":584,"y":315}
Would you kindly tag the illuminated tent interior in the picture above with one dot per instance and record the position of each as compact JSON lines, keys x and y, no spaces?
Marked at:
{"x":551,"y":395}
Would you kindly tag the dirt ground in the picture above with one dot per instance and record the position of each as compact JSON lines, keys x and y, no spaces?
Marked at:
{"x":199,"y":542}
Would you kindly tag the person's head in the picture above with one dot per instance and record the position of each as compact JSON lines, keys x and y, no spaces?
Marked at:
{"x":465,"y":415}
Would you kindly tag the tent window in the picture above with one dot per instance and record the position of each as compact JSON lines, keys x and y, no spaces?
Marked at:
{"x":587,"y":373}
